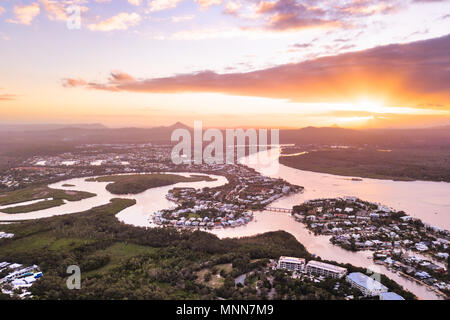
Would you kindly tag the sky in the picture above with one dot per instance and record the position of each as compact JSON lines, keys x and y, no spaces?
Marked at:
{"x":228,"y":63}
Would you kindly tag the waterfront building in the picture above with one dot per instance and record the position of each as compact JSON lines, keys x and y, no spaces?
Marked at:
{"x":365,"y":284}
{"x":291,"y":263}
{"x":325,"y":269}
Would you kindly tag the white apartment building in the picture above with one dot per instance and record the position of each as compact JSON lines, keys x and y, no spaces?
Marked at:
{"x":324,"y":269}
{"x":367,"y":285}
{"x":291,"y":263}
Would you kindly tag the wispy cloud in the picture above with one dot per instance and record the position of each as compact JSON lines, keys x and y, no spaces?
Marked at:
{"x":25,"y":14}
{"x":121,"y":77}
{"x":182,"y":18}
{"x":121,"y":21}
{"x":7,"y":96}
{"x":286,"y":15}
{"x":159,"y":5}
{"x":208,"y":3}
{"x":232,"y":7}
{"x":73,"y":82}
{"x":135,"y":2}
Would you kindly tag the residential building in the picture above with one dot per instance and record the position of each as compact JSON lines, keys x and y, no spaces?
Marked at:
{"x":325,"y":269}
{"x":367,"y":285}
{"x":291,"y":263}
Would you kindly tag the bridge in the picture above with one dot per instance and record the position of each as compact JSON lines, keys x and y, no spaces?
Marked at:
{"x":275,"y":209}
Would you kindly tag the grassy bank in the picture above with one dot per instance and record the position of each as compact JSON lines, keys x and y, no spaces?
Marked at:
{"x":137,"y":183}
{"x":34,"y":207}
{"x":396,"y":164}
{"x":36,"y":193}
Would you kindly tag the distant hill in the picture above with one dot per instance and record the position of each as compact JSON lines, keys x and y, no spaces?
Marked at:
{"x":323,"y":135}
{"x":46,"y":127}
{"x":33,"y":138}
{"x":438,"y":136}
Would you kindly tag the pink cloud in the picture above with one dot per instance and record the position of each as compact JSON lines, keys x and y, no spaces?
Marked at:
{"x":25,"y":14}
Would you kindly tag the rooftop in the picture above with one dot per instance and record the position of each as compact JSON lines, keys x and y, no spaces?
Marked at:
{"x":365,"y":281}
{"x":327,"y":266}
{"x":292,"y":259}
{"x":390,"y":296}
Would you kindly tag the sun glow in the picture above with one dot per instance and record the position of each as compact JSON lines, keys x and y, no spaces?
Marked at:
{"x":371,"y":106}
{"x":354,"y":119}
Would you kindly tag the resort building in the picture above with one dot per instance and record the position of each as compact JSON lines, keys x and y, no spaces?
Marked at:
{"x":325,"y":269}
{"x":365,"y":284}
{"x":291,"y":263}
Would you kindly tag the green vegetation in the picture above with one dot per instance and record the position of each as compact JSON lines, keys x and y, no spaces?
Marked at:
{"x":36,"y":193}
{"x":34,"y":207}
{"x":137,"y":183}
{"x":119,"y":261}
{"x":430,"y":164}
{"x":214,"y":278}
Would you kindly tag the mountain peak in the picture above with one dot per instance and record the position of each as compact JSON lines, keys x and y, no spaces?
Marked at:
{"x":179,"y":125}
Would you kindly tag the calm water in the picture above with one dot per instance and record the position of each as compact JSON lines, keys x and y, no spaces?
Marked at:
{"x":146,"y":202}
{"x":418,"y":198}
{"x":428,"y":201}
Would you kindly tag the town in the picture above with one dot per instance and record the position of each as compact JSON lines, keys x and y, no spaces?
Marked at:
{"x":86,"y":160}
{"x":401,"y":242}
{"x":224,"y":206}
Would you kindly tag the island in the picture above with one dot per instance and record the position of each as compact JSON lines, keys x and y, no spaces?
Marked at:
{"x":137,"y":183}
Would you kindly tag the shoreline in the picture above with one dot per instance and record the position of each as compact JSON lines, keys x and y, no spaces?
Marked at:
{"x":344,"y":172}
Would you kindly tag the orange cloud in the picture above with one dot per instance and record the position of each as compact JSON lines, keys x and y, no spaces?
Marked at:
{"x":73,"y":82}
{"x":25,"y":14}
{"x":402,"y":75}
{"x":208,"y":3}
{"x":120,"y":77}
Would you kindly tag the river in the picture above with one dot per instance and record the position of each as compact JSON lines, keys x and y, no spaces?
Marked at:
{"x":147,"y":202}
{"x":426,"y":200}
{"x":417,"y":198}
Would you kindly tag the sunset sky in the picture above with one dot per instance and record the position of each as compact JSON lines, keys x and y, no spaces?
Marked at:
{"x":229,"y":63}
